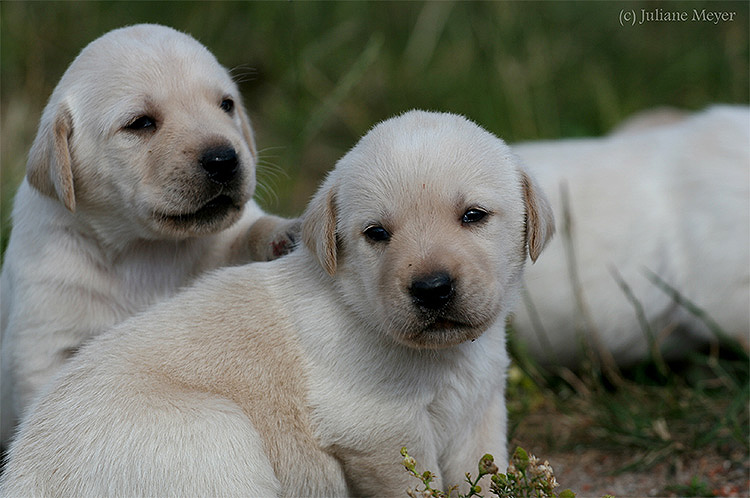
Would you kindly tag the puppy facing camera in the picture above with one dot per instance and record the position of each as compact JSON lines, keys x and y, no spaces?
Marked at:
{"x":385,"y":328}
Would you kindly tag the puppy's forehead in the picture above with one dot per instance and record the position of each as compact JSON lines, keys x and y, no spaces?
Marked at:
{"x":131,"y":62}
{"x":431,"y":155}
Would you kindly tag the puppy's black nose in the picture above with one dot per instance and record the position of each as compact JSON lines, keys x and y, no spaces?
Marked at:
{"x":432,"y":291}
{"x":220,"y":164}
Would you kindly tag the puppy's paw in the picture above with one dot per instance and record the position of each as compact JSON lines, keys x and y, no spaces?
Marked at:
{"x":285,"y":238}
{"x":271,"y":237}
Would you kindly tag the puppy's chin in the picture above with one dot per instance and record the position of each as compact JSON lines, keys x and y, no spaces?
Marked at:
{"x":213,"y":216}
{"x":438,"y":332}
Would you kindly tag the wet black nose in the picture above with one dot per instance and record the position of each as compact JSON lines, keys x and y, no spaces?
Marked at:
{"x":220,"y":164}
{"x":432,"y":291}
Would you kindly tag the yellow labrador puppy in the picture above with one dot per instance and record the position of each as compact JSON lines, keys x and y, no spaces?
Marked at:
{"x":667,"y":193}
{"x":306,"y":375}
{"x":140,"y":178}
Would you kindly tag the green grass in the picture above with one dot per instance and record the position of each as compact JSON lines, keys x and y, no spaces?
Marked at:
{"x":316,"y":75}
{"x":654,"y":412}
{"x":696,"y":487}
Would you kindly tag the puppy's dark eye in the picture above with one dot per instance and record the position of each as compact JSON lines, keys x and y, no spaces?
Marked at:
{"x":473,"y":215}
{"x":142,"y":123}
{"x":376,"y":233}
{"x":227,"y":105}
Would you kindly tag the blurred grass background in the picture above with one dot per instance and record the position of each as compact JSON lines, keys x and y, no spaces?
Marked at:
{"x":316,"y":75}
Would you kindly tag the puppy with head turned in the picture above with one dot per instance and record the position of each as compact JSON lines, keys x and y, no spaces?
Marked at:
{"x":307,"y":374}
{"x":140,"y":179}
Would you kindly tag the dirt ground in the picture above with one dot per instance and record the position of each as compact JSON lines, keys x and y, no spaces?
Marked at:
{"x":586,"y":472}
{"x":592,"y":472}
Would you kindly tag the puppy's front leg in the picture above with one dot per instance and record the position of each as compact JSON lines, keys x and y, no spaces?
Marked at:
{"x":257,"y":236}
{"x":382,"y":474}
{"x":271,"y":237}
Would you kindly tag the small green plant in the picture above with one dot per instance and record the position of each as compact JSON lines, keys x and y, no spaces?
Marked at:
{"x":697,"y":487}
{"x":526,"y":477}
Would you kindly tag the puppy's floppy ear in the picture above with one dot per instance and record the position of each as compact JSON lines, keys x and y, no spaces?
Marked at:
{"x":247,"y":129}
{"x":540,"y":222}
{"x":319,"y":227}
{"x":50,"y":165}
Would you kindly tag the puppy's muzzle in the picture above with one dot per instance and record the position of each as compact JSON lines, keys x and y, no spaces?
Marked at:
{"x":432,"y":292}
{"x":220,"y":164}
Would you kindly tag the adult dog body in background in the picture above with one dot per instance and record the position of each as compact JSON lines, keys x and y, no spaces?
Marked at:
{"x":308,"y":374}
{"x":667,"y":193}
{"x":139,"y":179}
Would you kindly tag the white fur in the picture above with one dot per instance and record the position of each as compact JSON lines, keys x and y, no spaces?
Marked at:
{"x":87,"y":249}
{"x":306,"y":375}
{"x":666,"y":193}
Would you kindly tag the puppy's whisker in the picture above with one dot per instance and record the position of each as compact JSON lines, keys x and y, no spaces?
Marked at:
{"x":269,"y":175}
{"x":243,"y":73}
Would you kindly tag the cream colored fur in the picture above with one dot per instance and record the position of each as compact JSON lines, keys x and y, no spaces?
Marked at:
{"x":667,"y":193}
{"x":102,"y":224}
{"x":306,"y":375}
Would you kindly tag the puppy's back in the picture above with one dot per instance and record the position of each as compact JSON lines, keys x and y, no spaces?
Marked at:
{"x":185,"y":400}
